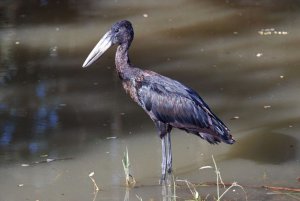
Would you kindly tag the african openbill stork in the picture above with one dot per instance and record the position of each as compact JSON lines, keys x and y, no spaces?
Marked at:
{"x":169,"y":103}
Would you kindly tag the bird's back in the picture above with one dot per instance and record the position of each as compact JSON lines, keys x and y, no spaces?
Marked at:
{"x":173,"y":103}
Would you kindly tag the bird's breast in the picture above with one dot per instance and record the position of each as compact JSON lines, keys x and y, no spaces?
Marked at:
{"x":130,"y":88}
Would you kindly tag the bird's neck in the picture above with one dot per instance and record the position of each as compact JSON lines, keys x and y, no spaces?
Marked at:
{"x":122,"y":58}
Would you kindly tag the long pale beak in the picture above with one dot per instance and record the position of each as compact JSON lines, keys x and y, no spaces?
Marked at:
{"x":104,"y":43}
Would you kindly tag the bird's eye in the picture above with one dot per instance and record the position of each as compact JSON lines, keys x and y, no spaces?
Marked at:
{"x":117,"y":31}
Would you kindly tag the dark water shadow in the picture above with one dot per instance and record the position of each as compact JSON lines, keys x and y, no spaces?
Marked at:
{"x":265,"y":148}
{"x":244,"y":17}
{"x":287,"y":5}
{"x":63,"y":12}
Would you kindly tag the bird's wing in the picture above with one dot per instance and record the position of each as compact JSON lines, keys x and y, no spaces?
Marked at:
{"x":171,"y":102}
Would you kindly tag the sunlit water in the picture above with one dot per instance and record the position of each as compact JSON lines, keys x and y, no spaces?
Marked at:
{"x":241,"y":56}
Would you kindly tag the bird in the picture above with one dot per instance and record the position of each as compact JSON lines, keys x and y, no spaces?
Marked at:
{"x":169,"y":103}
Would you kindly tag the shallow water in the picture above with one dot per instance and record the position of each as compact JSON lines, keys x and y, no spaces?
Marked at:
{"x":241,"y":56}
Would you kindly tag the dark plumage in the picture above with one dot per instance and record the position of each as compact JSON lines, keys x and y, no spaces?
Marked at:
{"x":172,"y":103}
{"x":168,"y":102}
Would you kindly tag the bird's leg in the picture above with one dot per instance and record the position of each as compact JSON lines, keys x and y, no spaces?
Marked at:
{"x":167,"y":190}
{"x":169,"y":152}
{"x":162,"y":128}
{"x":163,"y":158}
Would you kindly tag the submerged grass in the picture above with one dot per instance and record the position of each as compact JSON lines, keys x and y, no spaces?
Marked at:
{"x":96,"y":188}
{"x":196,"y":194}
{"x":129,"y":179}
{"x":130,"y":182}
{"x":192,"y":188}
{"x":219,"y":178}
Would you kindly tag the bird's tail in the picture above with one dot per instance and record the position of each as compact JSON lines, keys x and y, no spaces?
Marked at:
{"x":217,"y":133}
{"x":221,"y":133}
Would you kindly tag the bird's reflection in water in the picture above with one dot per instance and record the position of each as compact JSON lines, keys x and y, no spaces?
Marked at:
{"x":167,"y":188}
{"x":126,"y":197}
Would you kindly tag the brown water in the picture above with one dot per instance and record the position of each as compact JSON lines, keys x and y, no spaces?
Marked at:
{"x":51,"y":108}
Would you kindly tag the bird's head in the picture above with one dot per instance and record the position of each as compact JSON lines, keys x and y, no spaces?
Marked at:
{"x":120,"y":33}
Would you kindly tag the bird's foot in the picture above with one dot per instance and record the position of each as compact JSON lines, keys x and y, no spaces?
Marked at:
{"x":166,"y":179}
{"x":162,"y":179}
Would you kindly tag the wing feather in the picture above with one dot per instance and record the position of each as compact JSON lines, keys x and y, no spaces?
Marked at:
{"x":173,"y":103}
